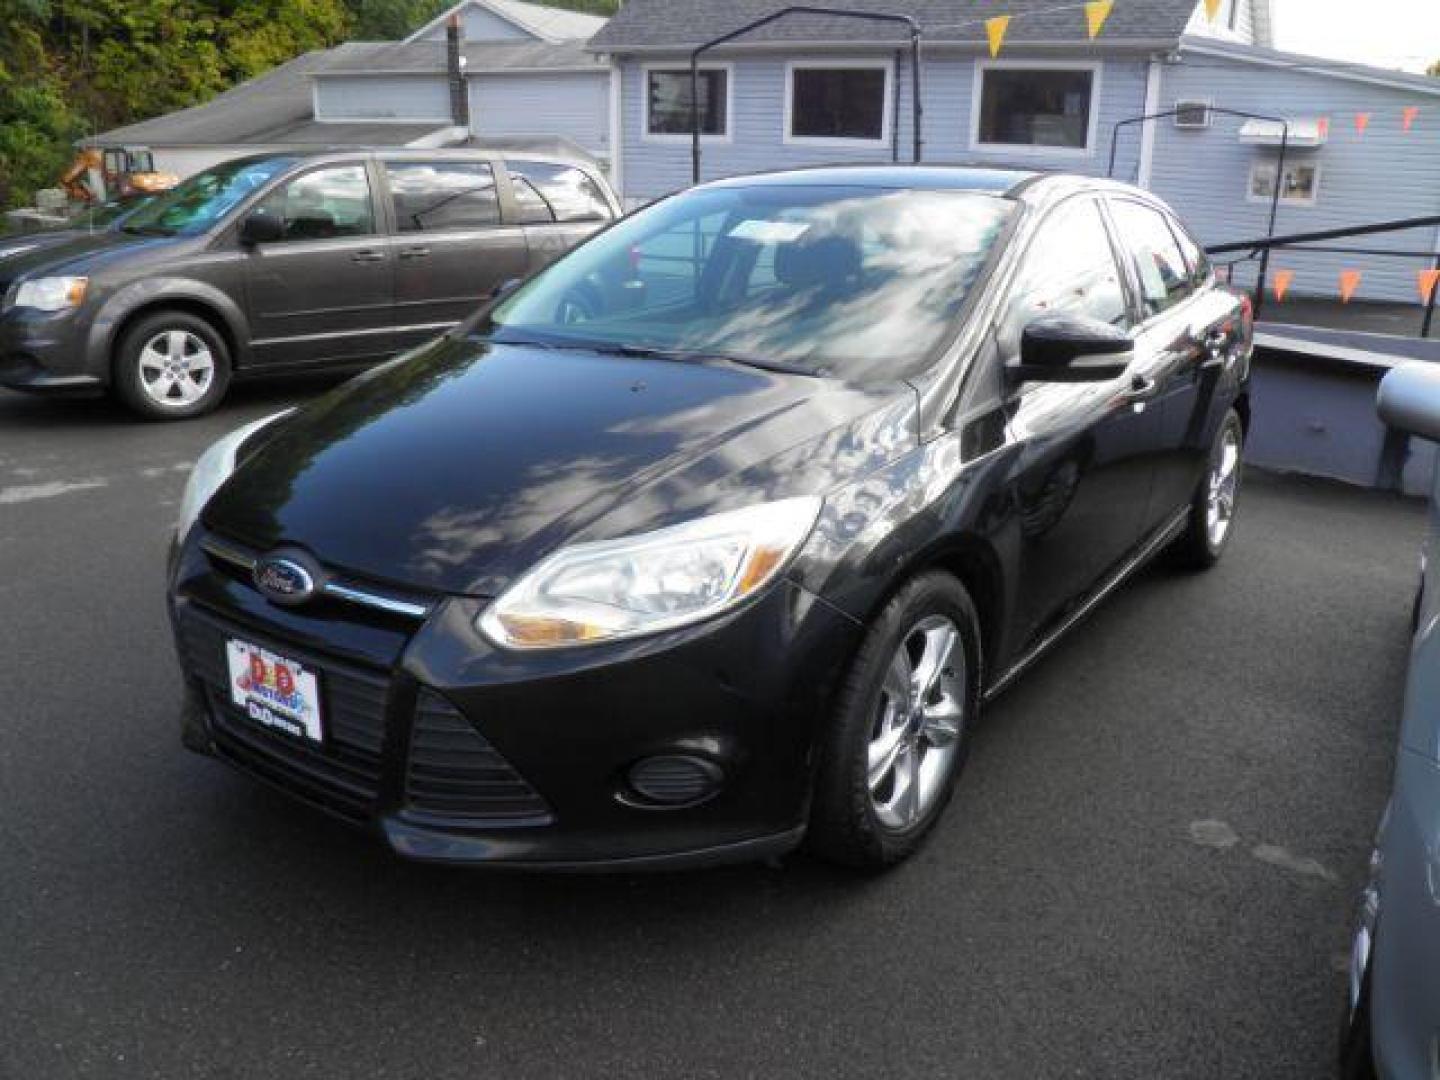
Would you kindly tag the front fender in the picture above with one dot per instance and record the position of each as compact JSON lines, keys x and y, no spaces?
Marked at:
{"x":157,"y":292}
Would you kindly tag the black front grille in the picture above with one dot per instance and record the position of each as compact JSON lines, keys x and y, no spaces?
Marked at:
{"x":456,"y":775}
{"x":342,"y":774}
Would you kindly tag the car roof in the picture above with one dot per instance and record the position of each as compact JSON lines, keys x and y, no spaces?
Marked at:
{"x":398,"y":153}
{"x":1017,"y":183}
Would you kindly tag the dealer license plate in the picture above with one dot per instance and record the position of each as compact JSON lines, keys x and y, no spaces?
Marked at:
{"x":274,"y":691}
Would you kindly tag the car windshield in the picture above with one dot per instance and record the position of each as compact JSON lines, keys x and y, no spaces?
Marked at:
{"x":103,"y":215}
{"x":856,"y":283}
{"x":193,"y":206}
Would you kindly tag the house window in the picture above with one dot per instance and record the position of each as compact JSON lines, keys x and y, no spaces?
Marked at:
{"x":1300,"y":186}
{"x":1028,"y":106}
{"x":843,"y":102}
{"x":667,"y":101}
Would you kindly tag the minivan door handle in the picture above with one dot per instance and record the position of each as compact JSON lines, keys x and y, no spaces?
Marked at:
{"x":367,"y":256}
{"x":415,"y":253}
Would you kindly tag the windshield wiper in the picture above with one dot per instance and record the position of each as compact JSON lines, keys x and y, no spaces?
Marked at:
{"x":146,"y":230}
{"x":657,"y":352}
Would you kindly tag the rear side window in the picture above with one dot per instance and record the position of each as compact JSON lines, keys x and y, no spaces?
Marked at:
{"x":1194,"y":254}
{"x":1164,"y":277}
{"x":1069,"y":269}
{"x":324,"y":204}
{"x":548,"y":192}
{"x":435,"y":196}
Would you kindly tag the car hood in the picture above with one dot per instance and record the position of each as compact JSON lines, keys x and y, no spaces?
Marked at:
{"x":463,"y":465}
{"x":68,"y":251}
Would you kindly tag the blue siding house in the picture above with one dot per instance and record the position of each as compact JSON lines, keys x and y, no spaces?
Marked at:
{"x":809,"y":90}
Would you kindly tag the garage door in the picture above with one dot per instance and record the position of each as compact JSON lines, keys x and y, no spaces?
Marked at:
{"x":573,"y":105}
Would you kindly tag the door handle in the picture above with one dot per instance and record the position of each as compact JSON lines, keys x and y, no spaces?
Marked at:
{"x":367,"y":256}
{"x":1141,"y":390}
{"x":1215,"y":342}
{"x":415,"y":253}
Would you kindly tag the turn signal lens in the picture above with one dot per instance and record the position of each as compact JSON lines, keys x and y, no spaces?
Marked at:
{"x":615,"y":589}
{"x":51,"y":293}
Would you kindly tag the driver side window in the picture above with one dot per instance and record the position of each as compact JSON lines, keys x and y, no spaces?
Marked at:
{"x":1069,"y":268}
{"x":324,"y":204}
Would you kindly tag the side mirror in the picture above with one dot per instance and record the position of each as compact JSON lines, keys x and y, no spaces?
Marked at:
{"x":1409,"y":399}
{"x":1072,"y":348}
{"x":261,"y":227}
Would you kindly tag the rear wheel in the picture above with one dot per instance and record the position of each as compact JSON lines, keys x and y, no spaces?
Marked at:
{"x":1212,"y":509}
{"x":171,"y":365}
{"x":901,"y":730}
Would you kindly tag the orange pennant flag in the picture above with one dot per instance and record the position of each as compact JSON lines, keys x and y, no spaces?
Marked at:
{"x":1362,"y":121}
{"x":1096,"y":12}
{"x":1323,"y":126}
{"x":995,"y":30}
{"x":1349,"y":282}
{"x":1408,"y":115}
{"x":1280,"y":283}
{"x":1212,"y":8}
{"x":1427,"y":280}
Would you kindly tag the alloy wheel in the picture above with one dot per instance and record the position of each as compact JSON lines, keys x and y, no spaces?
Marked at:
{"x":918,"y":722}
{"x":176,"y":368}
{"x":1223,"y":482}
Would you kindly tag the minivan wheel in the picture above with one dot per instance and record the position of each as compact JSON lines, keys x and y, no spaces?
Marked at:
{"x":900,"y":734}
{"x":171,"y":365}
{"x":1212,"y":509}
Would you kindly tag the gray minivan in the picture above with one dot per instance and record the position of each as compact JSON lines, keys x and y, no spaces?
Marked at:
{"x":285,"y":262}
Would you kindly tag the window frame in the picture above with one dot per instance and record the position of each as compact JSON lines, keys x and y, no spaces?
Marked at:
{"x":382,"y":223}
{"x":885,"y":64}
{"x":1261,"y":159}
{"x":646,"y":135}
{"x":1096,"y":69}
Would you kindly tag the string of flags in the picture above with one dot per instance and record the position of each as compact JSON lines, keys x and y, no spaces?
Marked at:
{"x":1426,"y":282}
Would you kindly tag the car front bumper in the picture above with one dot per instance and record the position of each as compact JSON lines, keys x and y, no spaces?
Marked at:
{"x":43,"y":352}
{"x":1405,"y":962}
{"x":451,"y":750}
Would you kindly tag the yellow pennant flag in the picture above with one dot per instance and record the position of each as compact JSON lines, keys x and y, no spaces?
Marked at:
{"x":1096,"y":12}
{"x":1280,"y":283}
{"x":1212,"y":8}
{"x":1427,"y":280}
{"x":995,"y":30}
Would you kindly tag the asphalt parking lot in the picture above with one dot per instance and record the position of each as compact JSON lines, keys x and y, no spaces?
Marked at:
{"x":1147,"y":871}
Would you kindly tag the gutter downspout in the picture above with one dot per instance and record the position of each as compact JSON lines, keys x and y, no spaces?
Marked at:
{"x":1147,"y":131}
{"x":617,"y":131}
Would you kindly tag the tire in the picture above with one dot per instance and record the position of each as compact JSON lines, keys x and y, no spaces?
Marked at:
{"x":171,"y":365}
{"x":1205,"y":537}
{"x":864,"y":819}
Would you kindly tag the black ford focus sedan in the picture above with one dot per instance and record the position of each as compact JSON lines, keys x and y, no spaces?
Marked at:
{"x":714,"y":536}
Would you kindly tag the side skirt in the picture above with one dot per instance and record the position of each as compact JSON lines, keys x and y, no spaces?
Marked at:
{"x":1158,"y":540}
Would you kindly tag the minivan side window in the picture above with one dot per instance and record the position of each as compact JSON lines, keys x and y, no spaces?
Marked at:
{"x":1159,"y":264}
{"x":1069,"y":268}
{"x":433,"y":196}
{"x":548,"y":192}
{"x":324,"y":204}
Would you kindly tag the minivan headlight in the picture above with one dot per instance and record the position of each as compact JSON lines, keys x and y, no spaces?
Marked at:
{"x":612,"y":589}
{"x":212,"y":469}
{"x":51,"y":293}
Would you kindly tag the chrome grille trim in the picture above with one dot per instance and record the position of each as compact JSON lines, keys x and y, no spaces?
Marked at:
{"x":337,"y":588}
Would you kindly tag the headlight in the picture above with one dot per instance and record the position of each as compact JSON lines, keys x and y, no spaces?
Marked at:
{"x":51,"y":293}
{"x":613,"y":589}
{"x":212,"y":469}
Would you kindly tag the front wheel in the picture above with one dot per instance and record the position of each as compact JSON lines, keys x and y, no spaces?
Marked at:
{"x":1212,"y":509}
{"x":171,"y":365}
{"x":901,"y":730}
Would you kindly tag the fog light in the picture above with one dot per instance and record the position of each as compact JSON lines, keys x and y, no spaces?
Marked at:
{"x":674,"y":779}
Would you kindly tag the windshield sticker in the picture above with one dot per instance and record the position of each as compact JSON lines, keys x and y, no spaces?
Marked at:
{"x":770,"y":232}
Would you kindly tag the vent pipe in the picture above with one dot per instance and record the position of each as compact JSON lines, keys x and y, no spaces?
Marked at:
{"x":455,"y":70}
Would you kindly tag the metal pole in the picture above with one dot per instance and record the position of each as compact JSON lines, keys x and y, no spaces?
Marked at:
{"x":1430,"y":304}
{"x":916,"y":112}
{"x":694,"y":115}
{"x":1259,"y":301}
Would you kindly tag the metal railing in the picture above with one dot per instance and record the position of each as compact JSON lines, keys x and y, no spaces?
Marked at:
{"x":805,"y":9}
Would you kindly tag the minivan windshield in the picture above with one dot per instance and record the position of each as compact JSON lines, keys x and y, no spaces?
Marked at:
{"x":195,"y":204}
{"x":858,"y":283}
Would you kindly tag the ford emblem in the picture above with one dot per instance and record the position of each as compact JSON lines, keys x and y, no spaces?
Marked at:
{"x":284,"y":580}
